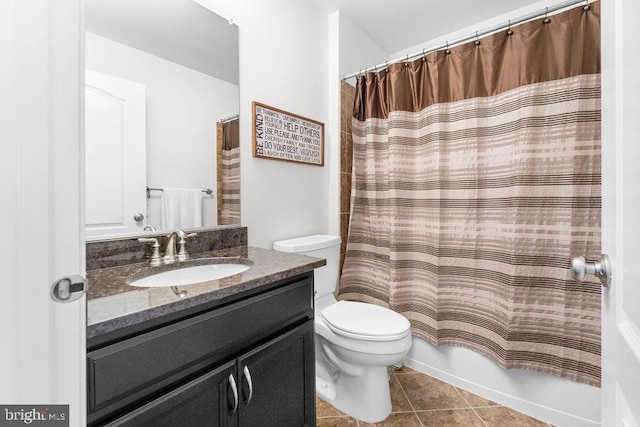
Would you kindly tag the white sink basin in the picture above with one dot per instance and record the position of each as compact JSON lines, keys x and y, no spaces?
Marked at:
{"x":189,"y":273}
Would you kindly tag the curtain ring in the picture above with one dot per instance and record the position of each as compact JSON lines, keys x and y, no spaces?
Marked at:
{"x":546,"y":18}
{"x":424,"y":56}
{"x":447,"y":51}
{"x":386,"y":66}
{"x":406,"y":61}
{"x":477,"y":42}
{"x":509,"y":30}
{"x":586,"y":6}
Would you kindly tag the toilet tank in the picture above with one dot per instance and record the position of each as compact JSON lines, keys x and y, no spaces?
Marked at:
{"x":320,"y":246}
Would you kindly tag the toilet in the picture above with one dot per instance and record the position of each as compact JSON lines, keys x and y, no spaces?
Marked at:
{"x":355,"y":342}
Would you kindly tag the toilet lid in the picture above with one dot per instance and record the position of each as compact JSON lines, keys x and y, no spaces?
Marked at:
{"x":365,"y":321}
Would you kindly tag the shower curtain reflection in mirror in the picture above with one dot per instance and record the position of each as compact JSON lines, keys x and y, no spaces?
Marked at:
{"x":228,"y":161}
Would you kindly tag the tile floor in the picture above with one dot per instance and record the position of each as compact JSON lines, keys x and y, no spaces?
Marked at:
{"x":420,"y":400}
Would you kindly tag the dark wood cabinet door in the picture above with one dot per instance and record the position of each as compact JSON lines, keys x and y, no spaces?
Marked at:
{"x":278,"y":381}
{"x":208,"y":400}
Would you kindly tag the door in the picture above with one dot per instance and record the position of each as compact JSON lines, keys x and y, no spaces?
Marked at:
{"x":115,"y":150}
{"x":621,"y":212}
{"x":277,"y":381}
{"x":42,"y":355}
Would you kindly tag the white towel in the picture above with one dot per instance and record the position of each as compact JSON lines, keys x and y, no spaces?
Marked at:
{"x":181,"y":208}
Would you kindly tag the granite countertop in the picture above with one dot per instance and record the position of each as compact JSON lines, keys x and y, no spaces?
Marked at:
{"x":113,"y":304}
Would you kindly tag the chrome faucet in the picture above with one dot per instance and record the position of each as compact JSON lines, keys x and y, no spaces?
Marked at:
{"x":171,"y":254}
{"x":170,"y":248}
{"x":175,"y":249}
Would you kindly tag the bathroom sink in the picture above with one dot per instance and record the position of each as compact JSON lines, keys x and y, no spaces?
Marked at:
{"x":189,"y":272}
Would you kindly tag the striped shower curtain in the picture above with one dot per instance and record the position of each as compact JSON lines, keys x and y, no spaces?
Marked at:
{"x":229,"y":172}
{"x":476,"y":179}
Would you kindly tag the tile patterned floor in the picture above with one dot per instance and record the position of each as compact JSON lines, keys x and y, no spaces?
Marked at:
{"x":420,"y":400}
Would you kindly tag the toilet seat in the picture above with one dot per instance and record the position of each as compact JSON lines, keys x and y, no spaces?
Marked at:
{"x":365,"y":321}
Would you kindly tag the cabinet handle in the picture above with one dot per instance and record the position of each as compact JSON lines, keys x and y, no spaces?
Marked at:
{"x":234,"y":388}
{"x":247,"y":375}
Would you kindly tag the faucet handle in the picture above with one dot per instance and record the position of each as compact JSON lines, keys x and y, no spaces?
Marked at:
{"x":155,"y":256}
{"x":182,"y":235}
{"x":182,"y":245}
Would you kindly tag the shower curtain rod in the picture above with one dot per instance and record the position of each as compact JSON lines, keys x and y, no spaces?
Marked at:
{"x":473,"y":36}
{"x":229,"y":119}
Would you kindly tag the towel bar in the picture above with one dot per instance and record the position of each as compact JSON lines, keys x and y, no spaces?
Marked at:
{"x":149,"y":190}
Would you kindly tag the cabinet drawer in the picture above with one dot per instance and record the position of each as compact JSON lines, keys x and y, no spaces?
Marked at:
{"x":125,"y":372}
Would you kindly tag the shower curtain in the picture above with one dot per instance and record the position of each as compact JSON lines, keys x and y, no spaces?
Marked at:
{"x":229,"y":173}
{"x":476,"y":179}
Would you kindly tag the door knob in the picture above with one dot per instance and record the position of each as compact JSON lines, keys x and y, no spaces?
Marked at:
{"x":601,"y":269}
{"x":138,"y":217}
{"x":68,"y":288}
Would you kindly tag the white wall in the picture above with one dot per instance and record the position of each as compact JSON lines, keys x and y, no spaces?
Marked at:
{"x":283,"y":63}
{"x":333,"y":160}
{"x":357,"y":50}
{"x":349,"y":47}
{"x":292,"y":56}
{"x":183,"y":106}
{"x":559,"y":401}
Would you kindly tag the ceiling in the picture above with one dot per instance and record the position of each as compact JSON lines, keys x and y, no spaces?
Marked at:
{"x":169,"y":31}
{"x":401,"y":24}
{"x":180,"y":31}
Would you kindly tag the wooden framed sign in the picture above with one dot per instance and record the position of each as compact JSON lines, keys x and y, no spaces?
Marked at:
{"x":284,"y":136}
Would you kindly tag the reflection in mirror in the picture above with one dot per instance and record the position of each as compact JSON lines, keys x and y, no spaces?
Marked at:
{"x":183,"y":59}
{"x":228,"y":149}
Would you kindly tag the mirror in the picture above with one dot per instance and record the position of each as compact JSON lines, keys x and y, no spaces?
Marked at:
{"x":183,"y":58}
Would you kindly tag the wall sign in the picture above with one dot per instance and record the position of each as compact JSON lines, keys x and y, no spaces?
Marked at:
{"x":284,"y":136}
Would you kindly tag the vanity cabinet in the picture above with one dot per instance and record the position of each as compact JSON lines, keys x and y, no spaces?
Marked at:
{"x":248,"y":362}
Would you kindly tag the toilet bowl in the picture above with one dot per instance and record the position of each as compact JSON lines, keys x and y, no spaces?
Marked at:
{"x":351,"y":367}
{"x":355,"y":342}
